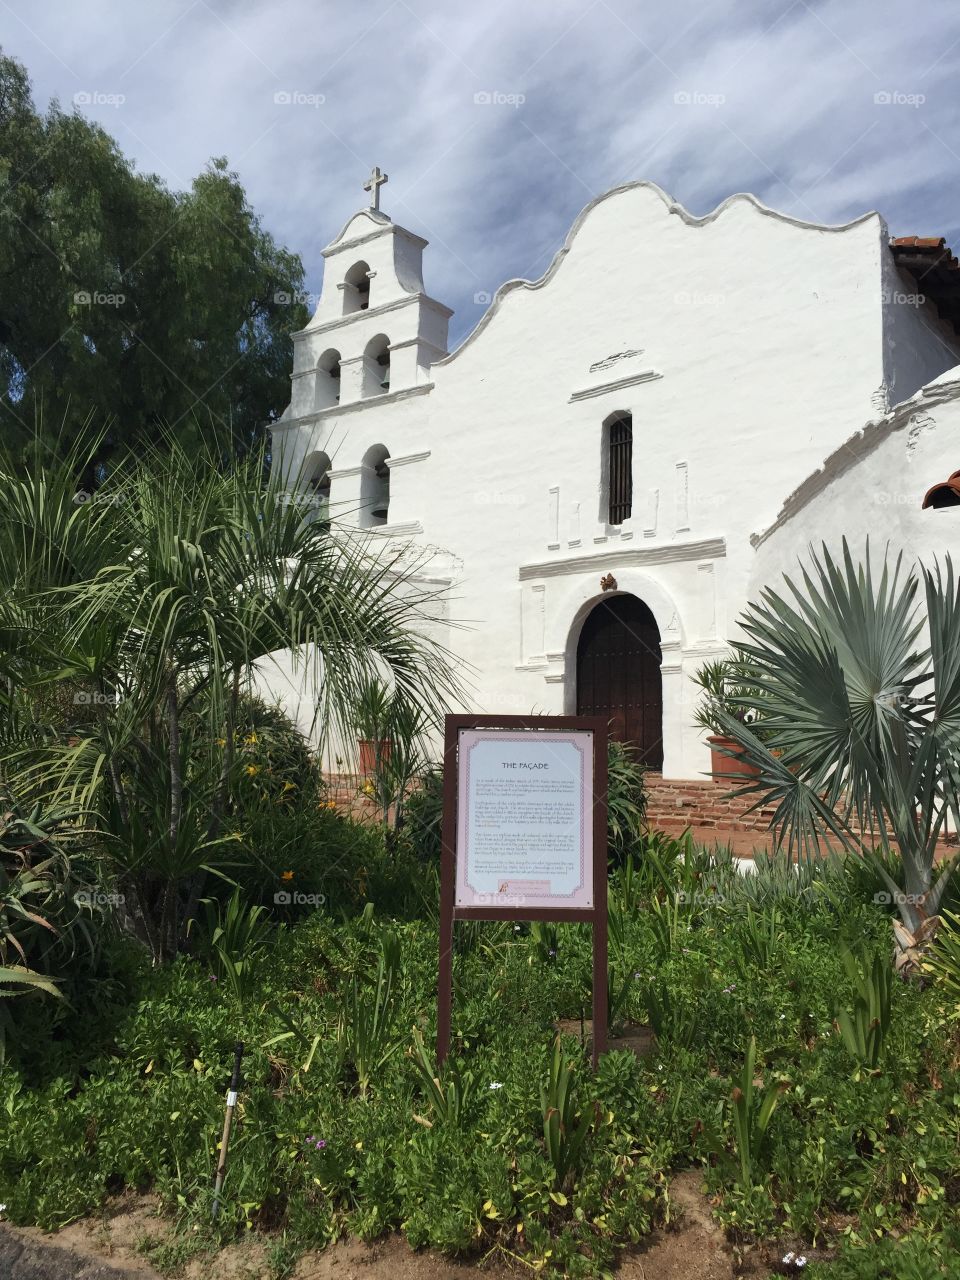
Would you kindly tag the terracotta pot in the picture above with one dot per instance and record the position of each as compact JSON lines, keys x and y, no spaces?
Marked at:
{"x":370,"y":751}
{"x":725,"y":766}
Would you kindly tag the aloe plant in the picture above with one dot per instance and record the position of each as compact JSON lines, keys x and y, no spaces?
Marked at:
{"x":618,"y":993}
{"x":233,"y":939}
{"x":671,"y":1020}
{"x":864,"y":1027}
{"x":943,"y":960}
{"x":759,"y":938}
{"x":448,"y":1091}
{"x":751,"y":1113}
{"x":566,"y":1124}
{"x":668,"y":921}
{"x":546,"y":939}
{"x":365,"y":1028}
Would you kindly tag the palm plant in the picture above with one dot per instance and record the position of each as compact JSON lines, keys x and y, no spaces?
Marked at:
{"x":860,"y":699}
{"x":156,"y":599}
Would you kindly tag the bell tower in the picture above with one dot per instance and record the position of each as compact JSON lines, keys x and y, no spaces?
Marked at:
{"x":375,"y":331}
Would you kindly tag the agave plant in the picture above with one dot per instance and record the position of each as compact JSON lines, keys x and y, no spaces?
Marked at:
{"x":859,"y":692}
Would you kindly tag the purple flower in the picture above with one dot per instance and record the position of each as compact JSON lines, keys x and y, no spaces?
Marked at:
{"x":211,"y":977}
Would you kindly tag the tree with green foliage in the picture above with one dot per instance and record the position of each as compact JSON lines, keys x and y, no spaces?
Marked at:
{"x":149,"y":307}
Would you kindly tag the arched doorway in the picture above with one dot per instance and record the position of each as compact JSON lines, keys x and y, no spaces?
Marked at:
{"x":618,"y":674}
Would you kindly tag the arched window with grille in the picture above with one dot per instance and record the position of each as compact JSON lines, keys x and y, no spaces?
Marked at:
{"x":618,"y":430}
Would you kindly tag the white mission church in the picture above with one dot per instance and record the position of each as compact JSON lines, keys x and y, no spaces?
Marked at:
{"x":626,"y":450}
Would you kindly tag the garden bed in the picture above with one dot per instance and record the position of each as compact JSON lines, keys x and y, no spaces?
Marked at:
{"x":344,"y":1155}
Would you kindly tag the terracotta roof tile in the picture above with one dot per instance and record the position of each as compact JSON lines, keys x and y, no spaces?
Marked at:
{"x":944,"y":494}
{"x":935,"y":269}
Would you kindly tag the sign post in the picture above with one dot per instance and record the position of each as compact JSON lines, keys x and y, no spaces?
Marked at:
{"x":524,"y":836}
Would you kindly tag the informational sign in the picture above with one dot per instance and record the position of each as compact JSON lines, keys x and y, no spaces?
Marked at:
{"x":525,"y":818}
{"x":524,"y":835}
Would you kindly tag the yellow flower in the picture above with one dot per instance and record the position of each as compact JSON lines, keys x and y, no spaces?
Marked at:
{"x":221,"y":742}
{"x":368,"y":788}
{"x":252,"y":770}
{"x":331,"y":804}
{"x":286,"y":875}
{"x":289,"y":786}
{"x":250,"y":739}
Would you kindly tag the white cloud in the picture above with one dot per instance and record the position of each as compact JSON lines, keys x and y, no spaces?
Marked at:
{"x":780,"y":100}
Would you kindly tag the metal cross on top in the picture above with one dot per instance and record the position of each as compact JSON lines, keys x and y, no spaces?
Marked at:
{"x":373,"y":185}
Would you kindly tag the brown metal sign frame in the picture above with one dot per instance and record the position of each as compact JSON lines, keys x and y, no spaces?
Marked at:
{"x":450,"y":912}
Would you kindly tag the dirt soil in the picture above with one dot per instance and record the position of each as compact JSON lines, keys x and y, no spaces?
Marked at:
{"x":689,"y":1247}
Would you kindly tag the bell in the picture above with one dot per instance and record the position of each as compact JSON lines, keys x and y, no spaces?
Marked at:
{"x":379,"y":511}
{"x":385,"y":381}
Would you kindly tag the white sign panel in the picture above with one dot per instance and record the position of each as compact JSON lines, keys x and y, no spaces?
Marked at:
{"x":525,"y":819}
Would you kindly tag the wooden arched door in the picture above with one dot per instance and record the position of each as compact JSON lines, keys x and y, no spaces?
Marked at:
{"x":618,"y":674}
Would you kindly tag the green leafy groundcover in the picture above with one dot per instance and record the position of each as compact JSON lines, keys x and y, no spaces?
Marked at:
{"x":124,"y":1089}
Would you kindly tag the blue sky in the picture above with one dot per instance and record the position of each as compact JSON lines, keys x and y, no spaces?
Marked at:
{"x":497,"y":122}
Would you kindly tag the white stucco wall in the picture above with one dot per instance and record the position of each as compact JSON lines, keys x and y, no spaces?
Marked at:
{"x":874,"y":486}
{"x":747,"y":347}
